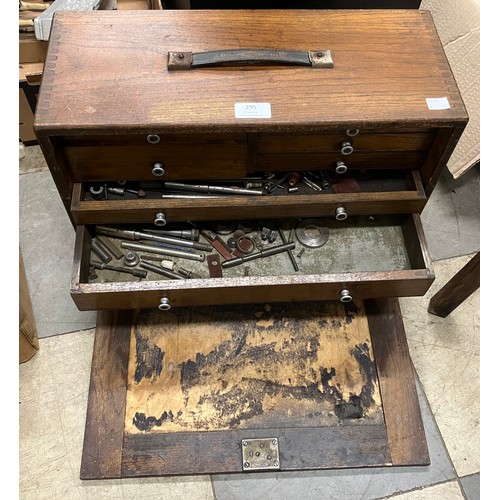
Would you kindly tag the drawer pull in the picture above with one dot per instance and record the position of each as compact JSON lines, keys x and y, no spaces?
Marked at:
{"x":351,"y":132}
{"x":340,"y":213}
{"x":345,"y":296}
{"x":346,"y":148}
{"x":160,"y":219}
{"x":249,"y":57}
{"x":158,"y":169}
{"x":341,"y":168}
{"x":153,"y":138}
{"x":164,"y":304}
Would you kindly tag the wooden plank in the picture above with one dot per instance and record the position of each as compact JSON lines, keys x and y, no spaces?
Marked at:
{"x":458,"y":288}
{"x":220,"y":451}
{"x":405,"y":428}
{"x":102,"y":446}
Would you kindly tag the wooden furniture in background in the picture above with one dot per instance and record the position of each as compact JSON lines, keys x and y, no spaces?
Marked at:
{"x":458,"y":288}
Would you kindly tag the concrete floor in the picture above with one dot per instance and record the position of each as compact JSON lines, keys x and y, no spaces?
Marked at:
{"x":53,"y":385}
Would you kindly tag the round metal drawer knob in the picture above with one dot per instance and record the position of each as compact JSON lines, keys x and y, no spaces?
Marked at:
{"x":153,"y":138}
{"x":345,"y":296}
{"x":160,"y":219}
{"x":341,"y":168}
{"x":340,"y":213}
{"x":158,"y":169}
{"x":164,"y":304}
{"x":346,"y":148}
{"x":351,"y":132}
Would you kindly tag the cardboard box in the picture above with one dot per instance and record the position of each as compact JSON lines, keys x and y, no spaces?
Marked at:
{"x":457,"y":22}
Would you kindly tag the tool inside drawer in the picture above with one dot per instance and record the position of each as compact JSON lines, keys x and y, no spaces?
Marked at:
{"x":260,"y":184}
{"x":274,"y":247}
{"x":294,"y":195}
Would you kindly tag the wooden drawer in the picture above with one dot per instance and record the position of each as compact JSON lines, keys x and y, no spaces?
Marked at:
{"x":125,"y":157}
{"x":401,"y":192}
{"x":358,"y":149}
{"x":384,"y":256}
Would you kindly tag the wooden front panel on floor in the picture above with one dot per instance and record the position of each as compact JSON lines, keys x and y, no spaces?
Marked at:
{"x":201,"y":380}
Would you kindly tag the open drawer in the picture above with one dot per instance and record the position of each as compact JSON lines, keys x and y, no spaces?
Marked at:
{"x":361,"y":257}
{"x":396,"y":191}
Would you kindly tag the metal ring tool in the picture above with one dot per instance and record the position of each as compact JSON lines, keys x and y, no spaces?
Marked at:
{"x":312,"y":225}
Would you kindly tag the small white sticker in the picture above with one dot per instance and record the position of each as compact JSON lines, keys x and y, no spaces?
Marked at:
{"x":252,"y":110}
{"x":438,"y":103}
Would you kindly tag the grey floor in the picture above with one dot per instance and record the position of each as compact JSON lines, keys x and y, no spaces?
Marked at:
{"x":445,"y":353}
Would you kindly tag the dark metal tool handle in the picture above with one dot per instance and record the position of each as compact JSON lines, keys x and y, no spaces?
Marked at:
{"x":249,"y":57}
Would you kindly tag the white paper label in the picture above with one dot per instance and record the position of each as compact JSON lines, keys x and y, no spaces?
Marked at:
{"x":438,"y":103}
{"x":252,"y":110}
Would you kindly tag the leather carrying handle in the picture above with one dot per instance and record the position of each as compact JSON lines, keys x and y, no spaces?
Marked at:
{"x":249,"y":57}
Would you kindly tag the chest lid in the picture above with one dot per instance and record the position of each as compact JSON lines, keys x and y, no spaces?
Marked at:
{"x":108,"y":72}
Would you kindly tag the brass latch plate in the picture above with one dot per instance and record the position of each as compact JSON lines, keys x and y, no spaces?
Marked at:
{"x":260,"y":454}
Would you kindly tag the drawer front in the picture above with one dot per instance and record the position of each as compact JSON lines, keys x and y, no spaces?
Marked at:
{"x":357,"y":149}
{"x":398,"y":194}
{"x":397,"y":265}
{"x":134,"y":158}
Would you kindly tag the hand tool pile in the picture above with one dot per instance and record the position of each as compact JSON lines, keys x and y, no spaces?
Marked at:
{"x":211,"y":248}
{"x":260,"y":185}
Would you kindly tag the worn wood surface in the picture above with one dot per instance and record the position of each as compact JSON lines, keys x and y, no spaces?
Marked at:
{"x":201,"y":380}
{"x":386,"y":64}
{"x":405,"y":429}
{"x":216,"y":354}
{"x":243,"y":207}
{"x":248,"y":367}
{"x":28,"y":335}
{"x":457,"y":289}
{"x":102,"y":445}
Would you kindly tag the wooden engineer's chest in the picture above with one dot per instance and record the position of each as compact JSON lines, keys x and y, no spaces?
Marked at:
{"x":246,"y":190}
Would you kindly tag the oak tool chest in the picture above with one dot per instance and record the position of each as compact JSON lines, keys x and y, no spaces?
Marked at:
{"x":245,"y":188}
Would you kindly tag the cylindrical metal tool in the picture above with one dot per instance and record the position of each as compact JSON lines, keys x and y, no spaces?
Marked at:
{"x":136,"y":272}
{"x":138,"y":235}
{"x":186,"y":234}
{"x":161,"y":270}
{"x":163,"y":251}
{"x":289,"y":252}
{"x":100,"y":251}
{"x":264,"y":253}
{"x":110,"y":246}
{"x":210,"y":189}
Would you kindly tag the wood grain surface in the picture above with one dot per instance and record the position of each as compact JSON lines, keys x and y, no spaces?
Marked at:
{"x":102,"y":446}
{"x":386,"y":64}
{"x":405,"y":429}
{"x":248,"y":367}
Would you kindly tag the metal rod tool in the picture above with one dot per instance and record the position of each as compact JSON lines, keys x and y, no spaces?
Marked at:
{"x":264,"y":253}
{"x":163,"y":251}
{"x":211,"y":189}
{"x":161,"y":270}
{"x":136,"y":272}
{"x":289,"y":252}
{"x":138,"y":235}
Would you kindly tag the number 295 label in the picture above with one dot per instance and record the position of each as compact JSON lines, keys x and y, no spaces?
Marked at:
{"x":252,"y":110}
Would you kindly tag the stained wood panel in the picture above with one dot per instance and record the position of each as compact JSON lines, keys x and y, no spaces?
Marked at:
{"x":208,"y":369}
{"x":211,"y":358}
